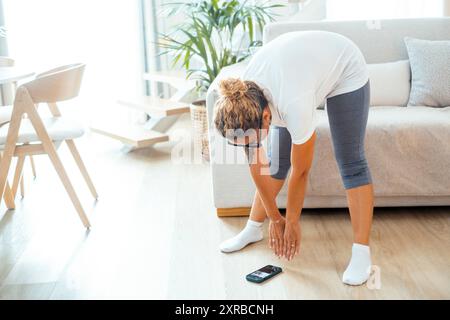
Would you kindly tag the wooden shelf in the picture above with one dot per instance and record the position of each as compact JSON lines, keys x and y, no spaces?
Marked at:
{"x":164,"y":112}
{"x":156,"y":106}
{"x":175,"y":78}
{"x":130,"y":134}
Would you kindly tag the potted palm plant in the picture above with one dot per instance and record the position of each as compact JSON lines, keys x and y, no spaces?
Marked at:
{"x":213,"y":35}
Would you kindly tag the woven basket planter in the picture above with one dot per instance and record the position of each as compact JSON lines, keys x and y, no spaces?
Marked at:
{"x":200,"y":128}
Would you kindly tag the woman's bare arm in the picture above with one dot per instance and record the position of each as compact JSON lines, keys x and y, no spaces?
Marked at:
{"x":301,"y":161}
{"x":267,"y":189}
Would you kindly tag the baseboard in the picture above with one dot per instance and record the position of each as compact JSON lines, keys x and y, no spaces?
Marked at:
{"x":233,"y":212}
{"x":313,"y":202}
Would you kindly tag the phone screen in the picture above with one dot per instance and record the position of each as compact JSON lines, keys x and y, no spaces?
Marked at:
{"x":264,"y":272}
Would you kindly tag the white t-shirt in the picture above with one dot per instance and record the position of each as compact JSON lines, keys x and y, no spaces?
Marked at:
{"x":298,"y":70}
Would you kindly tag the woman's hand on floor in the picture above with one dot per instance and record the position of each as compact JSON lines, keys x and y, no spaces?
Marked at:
{"x":291,"y":240}
{"x":276,"y":232}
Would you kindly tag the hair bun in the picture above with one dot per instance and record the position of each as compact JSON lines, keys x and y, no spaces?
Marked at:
{"x":233,"y":88}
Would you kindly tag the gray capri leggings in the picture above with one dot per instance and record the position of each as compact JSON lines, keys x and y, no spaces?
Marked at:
{"x":347,"y":115}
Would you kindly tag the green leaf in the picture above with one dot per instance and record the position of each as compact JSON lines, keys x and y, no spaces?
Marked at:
{"x":250,"y":27}
{"x":193,"y":38}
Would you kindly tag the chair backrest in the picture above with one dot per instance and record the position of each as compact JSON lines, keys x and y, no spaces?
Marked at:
{"x":6,"y":61}
{"x":59,"y":84}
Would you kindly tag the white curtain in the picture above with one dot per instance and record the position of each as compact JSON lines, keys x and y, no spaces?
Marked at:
{"x":383,"y":9}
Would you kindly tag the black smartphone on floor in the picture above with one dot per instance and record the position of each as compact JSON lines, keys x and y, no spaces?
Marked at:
{"x":263,"y":274}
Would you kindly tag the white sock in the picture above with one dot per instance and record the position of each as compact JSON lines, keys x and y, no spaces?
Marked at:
{"x":251,"y":233}
{"x":358,"y":270}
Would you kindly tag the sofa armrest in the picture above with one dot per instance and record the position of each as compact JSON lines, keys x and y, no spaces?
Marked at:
{"x":231,"y":180}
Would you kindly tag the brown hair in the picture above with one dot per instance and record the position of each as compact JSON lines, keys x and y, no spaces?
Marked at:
{"x":240,"y":105}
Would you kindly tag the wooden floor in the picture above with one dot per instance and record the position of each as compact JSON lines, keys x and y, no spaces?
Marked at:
{"x":155,"y":235}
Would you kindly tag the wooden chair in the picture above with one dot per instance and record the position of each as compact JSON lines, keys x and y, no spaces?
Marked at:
{"x":7,"y":91}
{"x":35,"y":135}
{"x":5,"y":114}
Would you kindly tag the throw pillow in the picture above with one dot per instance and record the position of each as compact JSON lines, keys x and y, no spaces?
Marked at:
{"x":430,"y":68}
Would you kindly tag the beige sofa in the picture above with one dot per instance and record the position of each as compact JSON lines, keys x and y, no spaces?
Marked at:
{"x":408,"y":148}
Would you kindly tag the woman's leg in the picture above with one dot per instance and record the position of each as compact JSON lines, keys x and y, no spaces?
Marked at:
{"x":253,"y":229}
{"x":360,"y":204}
{"x":347,"y":114}
{"x":258,"y":212}
{"x":279,"y":155}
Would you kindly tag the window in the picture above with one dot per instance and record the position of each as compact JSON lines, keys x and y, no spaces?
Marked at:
{"x":106,"y":35}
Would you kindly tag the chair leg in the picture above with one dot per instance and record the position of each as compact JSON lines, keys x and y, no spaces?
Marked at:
{"x":8,"y":197}
{"x":69,"y":187}
{"x":18,"y":175}
{"x":22,"y":187}
{"x":33,"y":167}
{"x":8,"y":194}
{"x":76,"y":155}
{"x":49,"y":148}
{"x":8,"y":152}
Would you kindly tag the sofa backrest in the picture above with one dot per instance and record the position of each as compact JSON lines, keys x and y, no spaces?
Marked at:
{"x":379,"y":40}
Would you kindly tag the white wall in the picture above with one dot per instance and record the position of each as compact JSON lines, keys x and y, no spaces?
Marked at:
{"x":362,"y":9}
{"x":300,"y":10}
{"x":383,"y":9}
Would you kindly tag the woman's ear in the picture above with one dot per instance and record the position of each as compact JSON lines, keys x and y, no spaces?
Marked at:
{"x":267,"y":116}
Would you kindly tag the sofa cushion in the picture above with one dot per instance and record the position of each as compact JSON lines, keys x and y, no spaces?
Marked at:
{"x":407,"y":150}
{"x":58,"y":128}
{"x":389,"y":83}
{"x":430,"y":66}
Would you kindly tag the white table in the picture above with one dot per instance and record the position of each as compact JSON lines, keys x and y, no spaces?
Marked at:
{"x":10,"y":75}
{"x":13,"y":74}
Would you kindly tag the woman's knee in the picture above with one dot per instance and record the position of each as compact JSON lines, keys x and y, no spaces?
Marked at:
{"x":355,"y":174}
{"x":279,"y":169}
